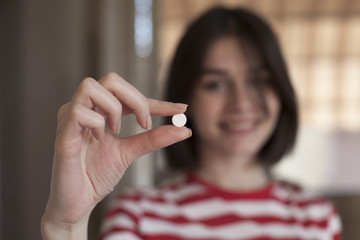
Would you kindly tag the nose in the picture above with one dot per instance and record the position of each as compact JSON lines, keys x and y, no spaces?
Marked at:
{"x":240,"y":98}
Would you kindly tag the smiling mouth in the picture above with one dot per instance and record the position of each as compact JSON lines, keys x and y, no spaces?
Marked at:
{"x":239,"y":127}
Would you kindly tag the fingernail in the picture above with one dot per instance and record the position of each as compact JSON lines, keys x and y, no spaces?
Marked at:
{"x":181,"y":105}
{"x":148,"y":123}
{"x":190,"y":132}
{"x":118,"y":127}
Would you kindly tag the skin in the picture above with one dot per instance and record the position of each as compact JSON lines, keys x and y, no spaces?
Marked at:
{"x":90,"y":160}
{"x":234,"y":111}
{"x":228,"y":113}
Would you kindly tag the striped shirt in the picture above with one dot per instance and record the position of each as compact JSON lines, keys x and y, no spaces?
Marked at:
{"x":190,"y":208}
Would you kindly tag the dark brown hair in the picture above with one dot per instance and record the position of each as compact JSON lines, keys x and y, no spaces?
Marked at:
{"x":186,"y":67}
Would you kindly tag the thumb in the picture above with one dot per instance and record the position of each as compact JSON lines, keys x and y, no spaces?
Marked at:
{"x":155,"y":139}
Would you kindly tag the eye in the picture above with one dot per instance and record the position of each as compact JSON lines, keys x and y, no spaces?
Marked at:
{"x":214,"y":85}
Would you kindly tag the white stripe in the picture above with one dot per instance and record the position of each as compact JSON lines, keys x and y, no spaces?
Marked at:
{"x":315,"y":211}
{"x":122,"y":236}
{"x":182,"y":193}
{"x":122,"y":220}
{"x":242,"y":230}
{"x":176,"y":194}
{"x":216,"y":207}
{"x":133,"y":207}
{"x":179,"y":182}
{"x":334,"y":224}
{"x":288,"y":194}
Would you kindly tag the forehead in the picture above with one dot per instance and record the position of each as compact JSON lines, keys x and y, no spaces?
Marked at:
{"x":231,"y":51}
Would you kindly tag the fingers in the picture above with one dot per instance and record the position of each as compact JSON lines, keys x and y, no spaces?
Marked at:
{"x":94,"y":96}
{"x":163,"y":108}
{"x":129,"y":96}
{"x":133,"y":101}
{"x":87,"y":118}
{"x":113,"y":97}
{"x":153,"y":140}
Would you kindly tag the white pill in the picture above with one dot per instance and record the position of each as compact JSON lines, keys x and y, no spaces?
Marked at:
{"x":179,"y":120}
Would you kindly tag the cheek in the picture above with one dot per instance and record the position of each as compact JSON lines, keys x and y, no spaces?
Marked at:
{"x":204,"y":111}
{"x":274,"y":105}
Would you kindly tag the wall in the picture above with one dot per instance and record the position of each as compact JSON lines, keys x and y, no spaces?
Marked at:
{"x":47,"y":47}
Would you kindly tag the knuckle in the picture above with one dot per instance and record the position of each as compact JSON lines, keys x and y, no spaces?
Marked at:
{"x":110,"y":78}
{"x":143,"y":104}
{"x":117,"y":107}
{"x":100,"y":122}
{"x":87,"y":84}
{"x":151,"y":141}
{"x":75,"y":112}
{"x":111,"y":75}
{"x":61,"y":110}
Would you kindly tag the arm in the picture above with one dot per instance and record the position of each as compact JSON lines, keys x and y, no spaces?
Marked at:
{"x":57,"y":230}
{"x":89,"y":160}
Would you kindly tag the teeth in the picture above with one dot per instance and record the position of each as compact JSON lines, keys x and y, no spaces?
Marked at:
{"x":240,"y":126}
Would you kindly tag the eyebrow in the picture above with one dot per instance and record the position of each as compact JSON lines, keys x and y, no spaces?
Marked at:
{"x":214,"y":71}
{"x":222,"y":72}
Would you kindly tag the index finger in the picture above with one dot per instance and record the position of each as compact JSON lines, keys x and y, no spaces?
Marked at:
{"x":132,"y":100}
{"x":163,"y":108}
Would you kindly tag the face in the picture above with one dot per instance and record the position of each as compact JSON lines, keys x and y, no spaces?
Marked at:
{"x":233,"y":108}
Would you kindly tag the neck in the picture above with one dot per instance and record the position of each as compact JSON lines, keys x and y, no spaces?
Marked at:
{"x":236,"y":173}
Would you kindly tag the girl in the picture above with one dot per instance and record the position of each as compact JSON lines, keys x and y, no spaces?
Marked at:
{"x":243,"y":113}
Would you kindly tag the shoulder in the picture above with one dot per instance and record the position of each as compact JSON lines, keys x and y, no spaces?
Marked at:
{"x":308,"y":206}
{"x":295,"y":194}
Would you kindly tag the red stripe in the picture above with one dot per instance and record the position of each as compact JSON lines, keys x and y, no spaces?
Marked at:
{"x":172,"y":237}
{"x":206,"y":196}
{"x":315,"y":201}
{"x":261,"y":196}
{"x":232,"y":218}
{"x":117,"y":230}
{"x":221,"y":219}
{"x":337,"y":236}
{"x":215,"y":192}
{"x":209,"y":195}
{"x":117,"y":211}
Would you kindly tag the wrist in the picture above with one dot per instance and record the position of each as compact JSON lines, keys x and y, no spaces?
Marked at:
{"x":52,"y":229}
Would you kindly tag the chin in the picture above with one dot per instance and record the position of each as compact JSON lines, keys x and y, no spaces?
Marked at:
{"x":241,"y":151}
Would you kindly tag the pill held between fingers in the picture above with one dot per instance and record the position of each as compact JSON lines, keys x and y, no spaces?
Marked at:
{"x":179,"y":120}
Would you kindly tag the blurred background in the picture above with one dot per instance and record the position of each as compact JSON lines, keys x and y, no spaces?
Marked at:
{"x":48,"y":47}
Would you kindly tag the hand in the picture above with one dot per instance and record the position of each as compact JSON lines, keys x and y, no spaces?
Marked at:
{"x":89,"y":160}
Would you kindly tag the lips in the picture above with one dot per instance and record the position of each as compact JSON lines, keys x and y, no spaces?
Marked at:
{"x":239,"y":126}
